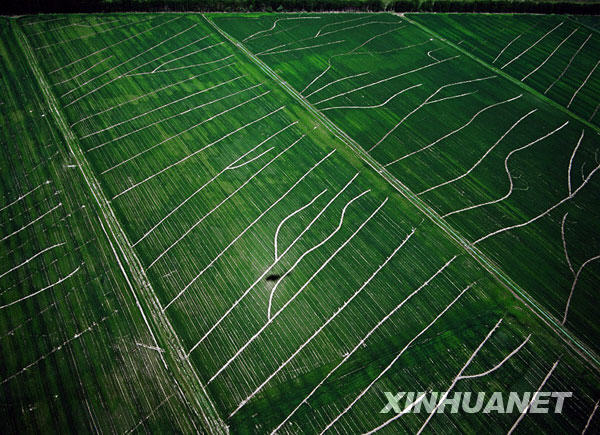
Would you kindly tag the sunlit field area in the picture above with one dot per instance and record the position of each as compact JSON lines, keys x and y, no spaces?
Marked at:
{"x":262,"y":223}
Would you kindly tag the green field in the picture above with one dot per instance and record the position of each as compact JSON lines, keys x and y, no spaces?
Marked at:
{"x":483,"y":149}
{"x":246,"y":222}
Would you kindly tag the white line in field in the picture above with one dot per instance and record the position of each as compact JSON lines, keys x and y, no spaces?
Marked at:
{"x":590,"y":418}
{"x":11,"y":332}
{"x":228,"y":167}
{"x":524,"y":413}
{"x":54,"y":44}
{"x":318,"y":77}
{"x":377,"y":105}
{"x":97,"y":24}
{"x":277,"y":32}
{"x":83,"y":72}
{"x":56,"y":349}
{"x":583,"y":84}
{"x":241,"y":165}
{"x":64,"y":278}
{"x":149,"y":93}
{"x":117,"y":66}
{"x":272,"y":319}
{"x":489,"y":150}
{"x":329,"y":65}
{"x":32,"y":222}
{"x":507,"y":45}
{"x":236,"y":303}
{"x":324,"y":325}
{"x":358,"y":346}
{"x":550,"y":55}
{"x":397,"y":357}
{"x":25,"y":195}
{"x":33,"y":23}
{"x":53,"y":29}
{"x":398,"y":48}
{"x":400,"y":414}
{"x":532,"y":45}
{"x":428,"y":101}
{"x":559,"y":203}
{"x":358,"y":25}
{"x":110,"y":127}
{"x":198,"y":151}
{"x":453,"y":131}
{"x":588,"y":261}
{"x":289,"y":216}
{"x":284,"y":45}
{"x":302,"y":48}
{"x":564,"y":242}
{"x":135,"y":156}
{"x":145,"y":346}
{"x":594,"y":112}
{"x":313,"y":248}
{"x":386,"y":79}
{"x":179,"y":67}
{"x":338,"y":23}
{"x":160,"y":405}
{"x":459,"y":376}
{"x":509,"y":175}
{"x":378,"y":36}
{"x":275,"y":25}
{"x":568,"y":65}
{"x":452,"y":97}
{"x":287,"y":44}
{"x":433,"y":51}
{"x":227,"y":198}
{"x":31,"y":258}
{"x":147,"y":233}
{"x":500,"y":364}
{"x":247,"y":229}
{"x":188,"y":54}
{"x":333,"y":82}
{"x":113,"y":45}
{"x":130,"y":72}
{"x":571,"y":161}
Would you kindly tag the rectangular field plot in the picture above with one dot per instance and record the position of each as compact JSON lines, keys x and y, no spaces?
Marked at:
{"x":289,"y":283}
{"x":509,"y":170}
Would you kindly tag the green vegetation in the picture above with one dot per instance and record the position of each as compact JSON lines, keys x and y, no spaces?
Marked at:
{"x":418,"y":122}
{"x":272,"y":274}
{"x":75,"y":348}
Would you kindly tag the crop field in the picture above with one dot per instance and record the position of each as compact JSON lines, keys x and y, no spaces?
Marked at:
{"x":511,"y":171}
{"x":76,"y":354}
{"x":272,"y":221}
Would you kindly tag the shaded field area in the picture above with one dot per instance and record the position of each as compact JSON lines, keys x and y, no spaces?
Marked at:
{"x":300,"y":286}
{"x":76,"y":353}
{"x":513,"y":171}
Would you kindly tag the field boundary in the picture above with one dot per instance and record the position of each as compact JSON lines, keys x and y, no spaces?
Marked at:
{"x":502,"y":74}
{"x":474,"y":252}
{"x":185,"y":376}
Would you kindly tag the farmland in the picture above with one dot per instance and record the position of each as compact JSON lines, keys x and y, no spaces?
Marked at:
{"x":75,"y":349}
{"x":510,"y":174}
{"x":281,"y":264}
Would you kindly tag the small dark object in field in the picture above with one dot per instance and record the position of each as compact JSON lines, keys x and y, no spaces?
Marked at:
{"x":273,"y":277}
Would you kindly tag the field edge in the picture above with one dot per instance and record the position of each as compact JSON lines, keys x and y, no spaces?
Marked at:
{"x":166,"y":340}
